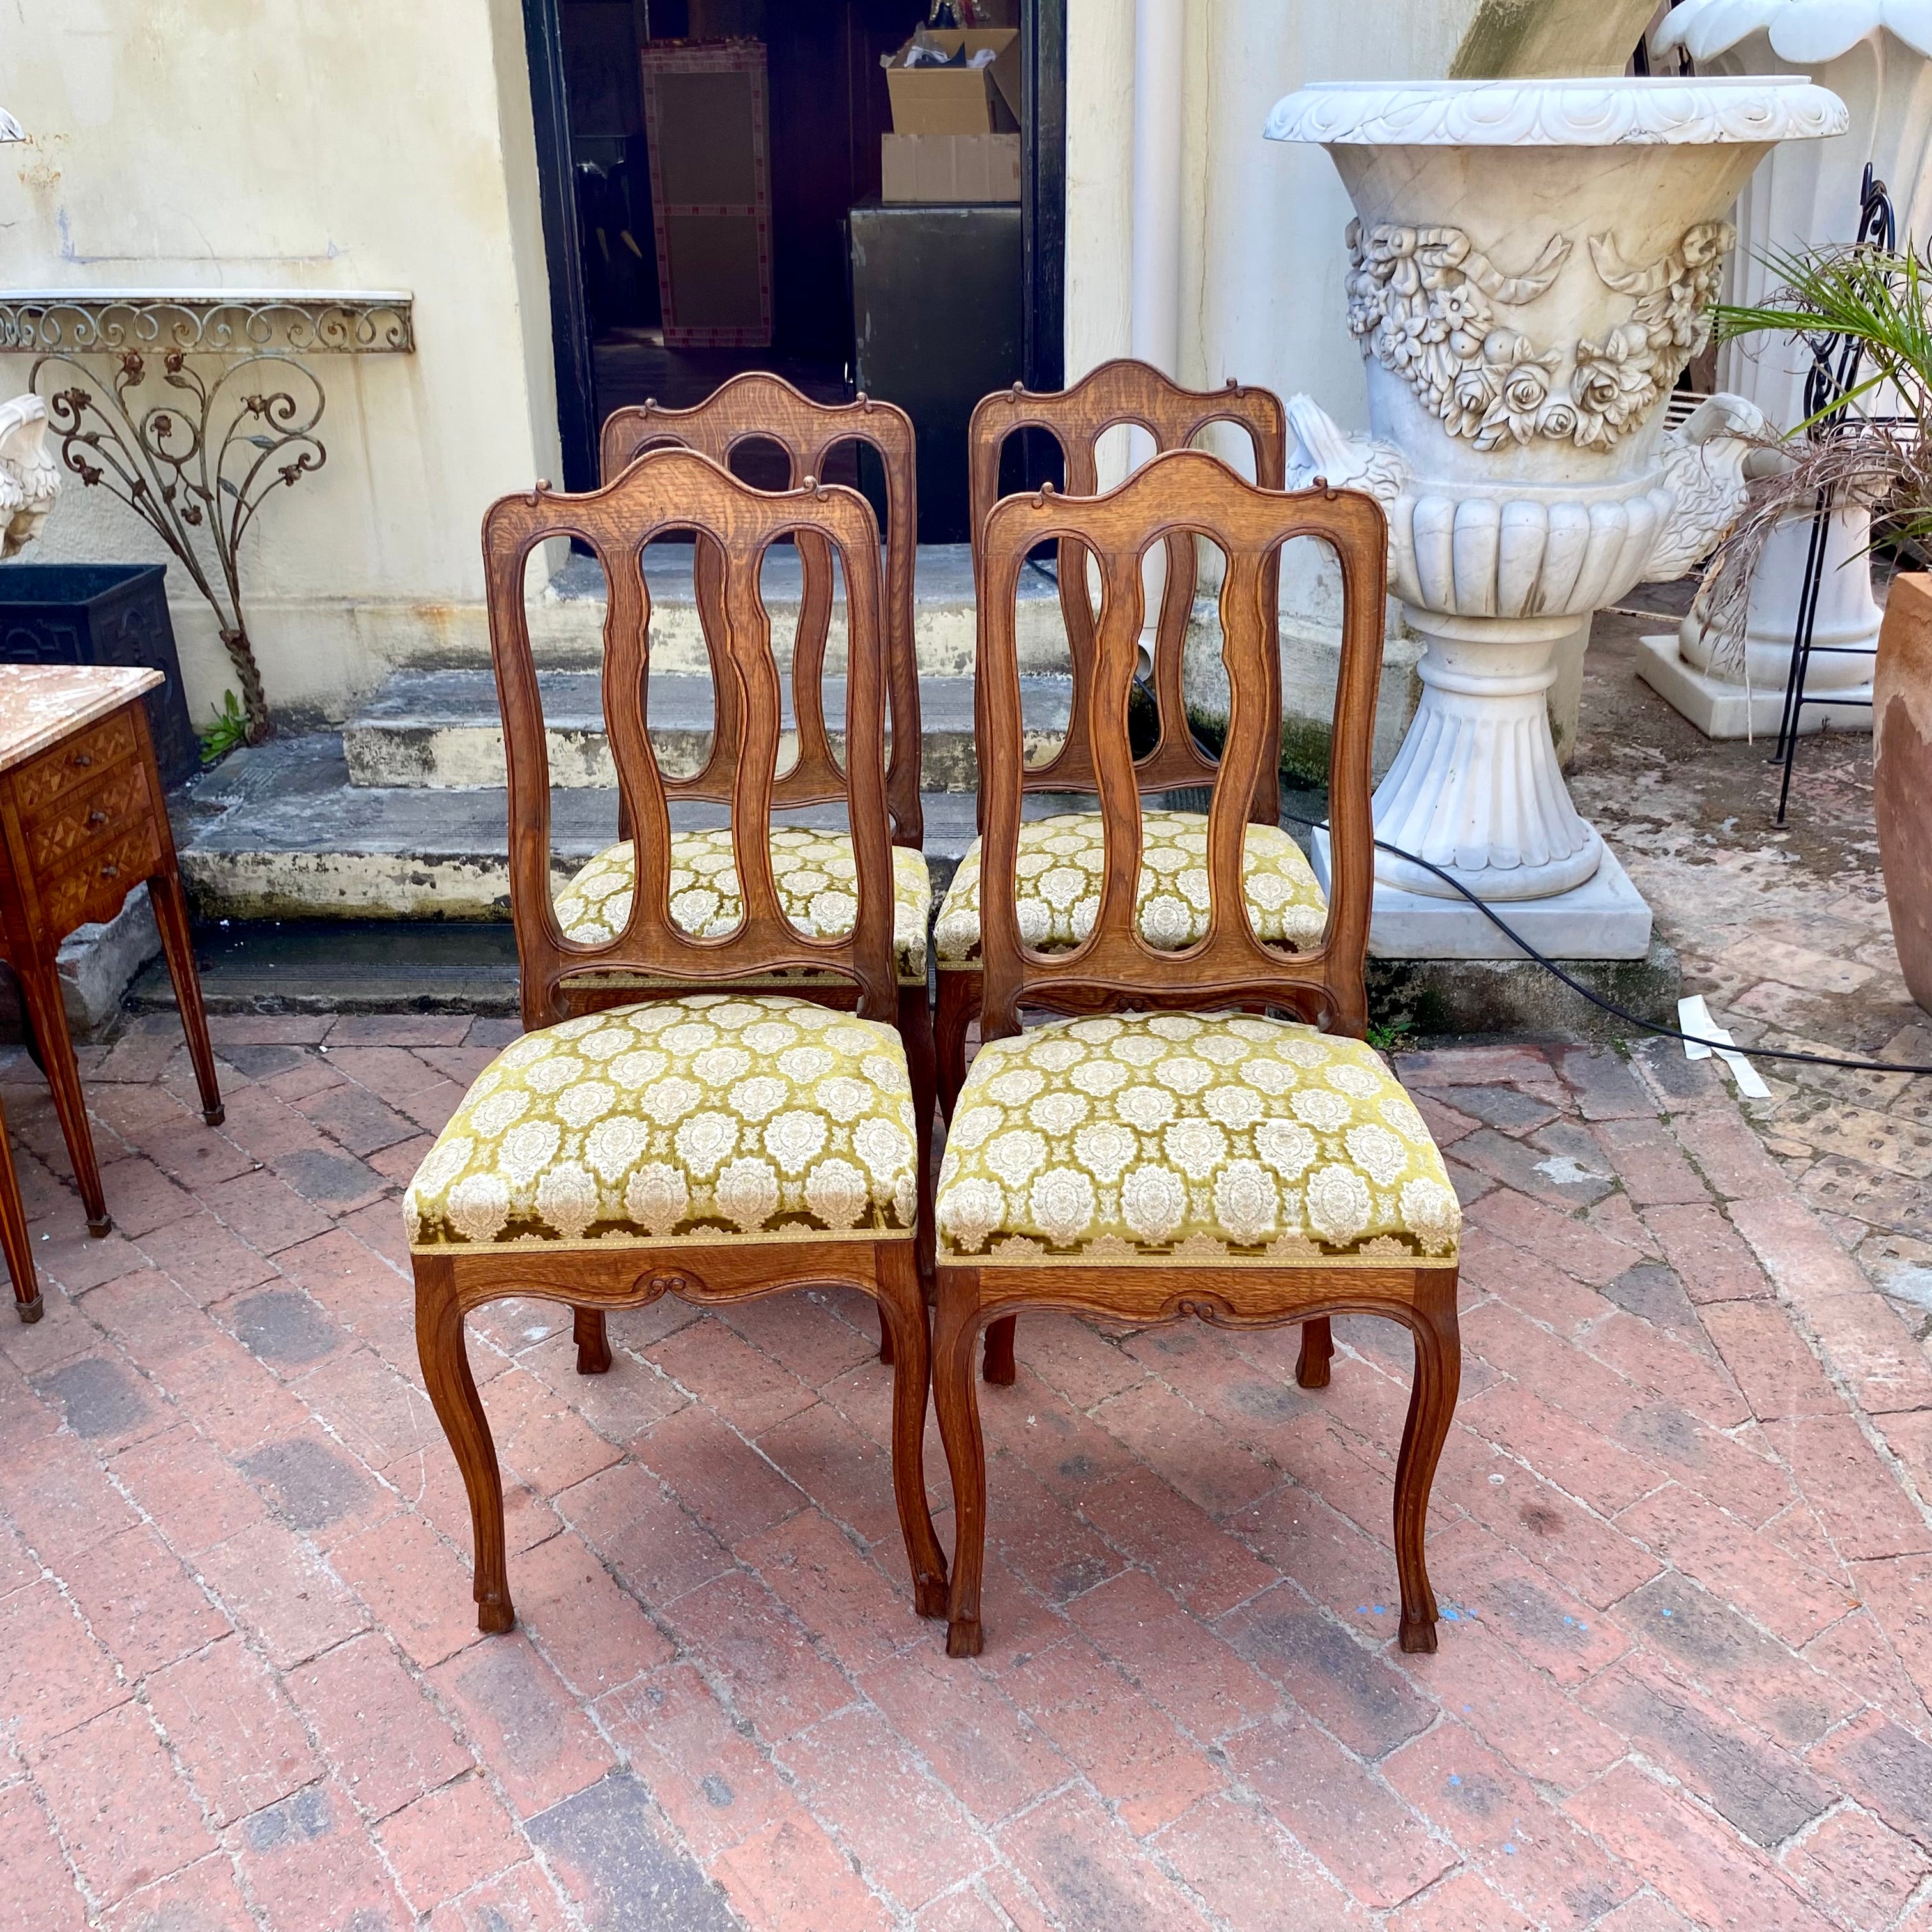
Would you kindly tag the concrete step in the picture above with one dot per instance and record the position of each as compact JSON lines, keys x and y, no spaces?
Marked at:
{"x":566,"y":616}
{"x":277,"y":832}
{"x":442,"y":728}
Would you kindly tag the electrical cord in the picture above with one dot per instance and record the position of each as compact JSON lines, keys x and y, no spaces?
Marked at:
{"x":1550,"y":966}
{"x":1610,"y":1005}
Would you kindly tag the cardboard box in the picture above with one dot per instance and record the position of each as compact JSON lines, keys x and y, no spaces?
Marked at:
{"x":958,"y":100}
{"x":950,"y":167}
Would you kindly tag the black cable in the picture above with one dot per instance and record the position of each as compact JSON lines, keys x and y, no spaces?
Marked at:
{"x":1549,"y":965}
{"x":1610,"y":1005}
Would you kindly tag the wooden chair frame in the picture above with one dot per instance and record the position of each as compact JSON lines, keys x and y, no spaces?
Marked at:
{"x":1183,"y":492}
{"x":757,"y":407}
{"x":665,"y":489}
{"x":1134,"y":394}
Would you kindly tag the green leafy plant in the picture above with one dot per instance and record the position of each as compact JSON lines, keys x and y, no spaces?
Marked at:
{"x":1870,"y":445}
{"x":229,"y":730}
{"x":1390,"y":1036}
{"x":1860,"y":292}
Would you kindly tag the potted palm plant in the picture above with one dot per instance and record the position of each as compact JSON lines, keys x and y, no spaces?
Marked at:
{"x":1865,"y":306}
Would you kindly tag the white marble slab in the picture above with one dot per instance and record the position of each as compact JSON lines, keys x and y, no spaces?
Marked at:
{"x":1721,"y":710}
{"x":40,"y":704}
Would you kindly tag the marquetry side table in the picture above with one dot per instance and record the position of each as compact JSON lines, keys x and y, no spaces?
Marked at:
{"x":83,"y":821}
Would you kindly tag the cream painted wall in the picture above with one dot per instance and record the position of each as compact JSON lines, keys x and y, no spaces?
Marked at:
{"x":255,"y":143}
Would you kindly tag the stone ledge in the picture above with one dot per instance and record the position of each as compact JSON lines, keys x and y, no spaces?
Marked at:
{"x":1454,"y":998}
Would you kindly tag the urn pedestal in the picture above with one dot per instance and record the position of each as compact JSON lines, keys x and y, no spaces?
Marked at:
{"x":1530,"y":268}
{"x":1729,"y":692}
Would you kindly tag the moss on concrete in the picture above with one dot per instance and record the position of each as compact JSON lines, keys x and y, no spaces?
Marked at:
{"x":1305,"y":745}
{"x":1438,"y":999}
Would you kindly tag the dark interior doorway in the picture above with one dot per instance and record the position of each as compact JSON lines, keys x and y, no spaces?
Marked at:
{"x":827,"y":105}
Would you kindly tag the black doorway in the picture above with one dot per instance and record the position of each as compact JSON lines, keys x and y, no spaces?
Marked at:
{"x":828,"y":107}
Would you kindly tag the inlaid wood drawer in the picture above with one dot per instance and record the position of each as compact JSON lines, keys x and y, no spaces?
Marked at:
{"x":86,"y":817}
{"x":78,"y":762}
{"x":92,"y":886}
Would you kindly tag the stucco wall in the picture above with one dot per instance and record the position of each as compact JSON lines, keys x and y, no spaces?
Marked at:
{"x":259,"y":143}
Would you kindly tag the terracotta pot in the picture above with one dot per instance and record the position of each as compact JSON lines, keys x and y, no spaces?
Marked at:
{"x":1902,"y":775}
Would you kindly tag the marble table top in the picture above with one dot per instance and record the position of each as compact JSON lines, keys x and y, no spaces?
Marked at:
{"x":41,"y":704}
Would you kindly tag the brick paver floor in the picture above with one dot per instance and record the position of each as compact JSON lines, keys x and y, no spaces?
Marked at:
{"x":1679,"y":1534}
{"x":1787,"y":930}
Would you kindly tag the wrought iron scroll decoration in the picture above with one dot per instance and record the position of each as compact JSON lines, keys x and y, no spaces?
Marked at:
{"x":196,"y":463}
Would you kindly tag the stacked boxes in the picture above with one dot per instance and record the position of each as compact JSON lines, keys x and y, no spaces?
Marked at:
{"x":954,"y":128}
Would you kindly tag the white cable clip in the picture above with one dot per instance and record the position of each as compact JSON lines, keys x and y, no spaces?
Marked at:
{"x":1694,"y":1017}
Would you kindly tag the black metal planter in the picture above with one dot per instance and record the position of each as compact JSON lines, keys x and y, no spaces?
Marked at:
{"x":103,"y":613}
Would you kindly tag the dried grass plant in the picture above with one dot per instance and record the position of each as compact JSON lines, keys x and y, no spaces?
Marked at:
{"x":1858,"y":308}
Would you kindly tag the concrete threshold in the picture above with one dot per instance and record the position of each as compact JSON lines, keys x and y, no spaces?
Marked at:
{"x":340,"y":966}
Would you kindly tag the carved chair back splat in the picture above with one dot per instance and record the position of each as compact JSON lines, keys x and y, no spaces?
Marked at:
{"x":677,"y":489}
{"x":1128,"y":394}
{"x":759,"y":407}
{"x":1113,"y":967}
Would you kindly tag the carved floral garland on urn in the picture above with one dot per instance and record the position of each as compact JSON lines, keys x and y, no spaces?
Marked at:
{"x":1422,"y":301}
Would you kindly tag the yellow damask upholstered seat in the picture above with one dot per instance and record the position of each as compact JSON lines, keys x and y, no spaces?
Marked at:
{"x":813,"y":870}
{"x":711,"y":1116}
{"x":1172,"y":1137}
{"x":1060,"y":862}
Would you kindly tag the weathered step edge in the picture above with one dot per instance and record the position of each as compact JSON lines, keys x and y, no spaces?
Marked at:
{"x":440,"y":730}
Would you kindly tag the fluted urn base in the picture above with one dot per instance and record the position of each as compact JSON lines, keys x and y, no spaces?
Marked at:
{"x":1476,"y":789}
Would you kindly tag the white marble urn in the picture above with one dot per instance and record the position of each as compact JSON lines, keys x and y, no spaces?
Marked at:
{"x":29,"y":479}
{"x":1530,"y":269}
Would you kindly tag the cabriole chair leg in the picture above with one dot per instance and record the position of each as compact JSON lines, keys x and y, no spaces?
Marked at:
{"x":1432,"y":1404}
{"x":957,"y":1399}
{"x":452,"y":1393}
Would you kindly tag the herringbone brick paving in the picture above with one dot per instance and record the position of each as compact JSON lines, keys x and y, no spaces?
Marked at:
{"x":1679,"y":1533}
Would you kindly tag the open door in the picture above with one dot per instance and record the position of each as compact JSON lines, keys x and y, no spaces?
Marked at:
{"x":626,"y":223}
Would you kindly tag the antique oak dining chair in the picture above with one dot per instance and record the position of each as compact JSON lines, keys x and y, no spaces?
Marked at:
{"x":1284,"y":896}
{"x":708,"y":1130}
{"x":1168,"y":1147}
{"x":758,"y":413}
